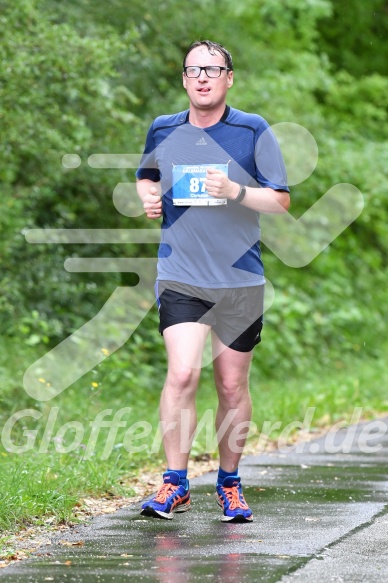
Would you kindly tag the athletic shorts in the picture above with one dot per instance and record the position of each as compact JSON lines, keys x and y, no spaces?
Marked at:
{"x":234,"y":314}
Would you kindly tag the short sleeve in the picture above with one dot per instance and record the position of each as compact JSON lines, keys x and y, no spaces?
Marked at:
{"x":148,"y":168}
{"x":271,"y":170}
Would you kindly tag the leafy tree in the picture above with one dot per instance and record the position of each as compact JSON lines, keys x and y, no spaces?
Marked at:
{"x":82,"y":78}
{"x":59,"y":94}
{"x":354,"y":36}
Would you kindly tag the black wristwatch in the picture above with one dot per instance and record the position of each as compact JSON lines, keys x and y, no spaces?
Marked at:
{"x":241,"y":194}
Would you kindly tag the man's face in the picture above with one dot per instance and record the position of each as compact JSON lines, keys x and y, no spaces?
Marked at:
{"x":204,"y":92}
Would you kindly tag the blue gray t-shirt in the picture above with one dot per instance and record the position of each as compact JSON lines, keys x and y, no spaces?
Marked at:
{"x":212,"y":246}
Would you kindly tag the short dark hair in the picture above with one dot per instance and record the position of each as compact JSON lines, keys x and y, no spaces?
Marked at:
{"x":212,"y":47}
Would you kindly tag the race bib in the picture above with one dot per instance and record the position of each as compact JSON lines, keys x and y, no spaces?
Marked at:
{"x":189,"y":185}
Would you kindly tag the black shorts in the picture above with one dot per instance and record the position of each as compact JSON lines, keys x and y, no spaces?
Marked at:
{"x":235,"y":314}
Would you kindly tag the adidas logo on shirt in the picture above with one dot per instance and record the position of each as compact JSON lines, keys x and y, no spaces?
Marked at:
{"x":201,"y":142}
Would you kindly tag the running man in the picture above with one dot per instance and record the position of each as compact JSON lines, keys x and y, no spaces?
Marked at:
{"x":209,"y":172}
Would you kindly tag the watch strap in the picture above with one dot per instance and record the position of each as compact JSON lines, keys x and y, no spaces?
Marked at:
{"x":241,"y":194}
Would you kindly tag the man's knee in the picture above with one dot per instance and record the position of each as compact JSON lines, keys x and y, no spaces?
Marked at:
{"x":232,"y":390}
{"x":182,"y":380}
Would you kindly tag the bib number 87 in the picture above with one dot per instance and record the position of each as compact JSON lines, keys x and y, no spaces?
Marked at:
{"x":197,"y":185}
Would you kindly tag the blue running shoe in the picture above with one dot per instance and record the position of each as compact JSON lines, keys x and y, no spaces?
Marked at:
{"x":170,"y":498}
{"x":231,"y":499}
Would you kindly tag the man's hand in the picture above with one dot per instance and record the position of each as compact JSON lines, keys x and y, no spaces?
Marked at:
{"x":261,"y":200}
{"x":218,"y":184}
{"x":152,"y":203}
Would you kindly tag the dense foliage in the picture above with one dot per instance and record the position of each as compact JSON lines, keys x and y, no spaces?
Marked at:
{"x":80,"y":77}
{"x":86,"y":77}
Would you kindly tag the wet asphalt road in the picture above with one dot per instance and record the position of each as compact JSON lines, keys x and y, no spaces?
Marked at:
{"x":320,"y":515}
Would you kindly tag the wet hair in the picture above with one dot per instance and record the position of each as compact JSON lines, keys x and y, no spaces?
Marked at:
{"x":213,"y":48}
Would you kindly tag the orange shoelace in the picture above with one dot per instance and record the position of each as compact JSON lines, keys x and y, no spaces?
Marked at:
{"x":165,"y":491}
{"x":234,"y":499}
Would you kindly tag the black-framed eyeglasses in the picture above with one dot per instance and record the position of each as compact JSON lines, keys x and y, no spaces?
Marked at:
{"x":211,"y":71}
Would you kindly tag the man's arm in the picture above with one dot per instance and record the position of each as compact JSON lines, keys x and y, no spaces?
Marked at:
{"x":150,"y":194}
{"x":263,"y":200}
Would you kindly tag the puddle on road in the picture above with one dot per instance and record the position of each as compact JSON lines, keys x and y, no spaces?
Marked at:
{"x":298,"y":512}
{"x":226,"y":568}
{"x":323,"y":483}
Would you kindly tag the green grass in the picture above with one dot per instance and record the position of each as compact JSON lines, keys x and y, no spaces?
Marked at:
{"x":344,"y":391}
{"x":37,"y":484}
{"x":31,"y":491}
{"x":334,"y":390}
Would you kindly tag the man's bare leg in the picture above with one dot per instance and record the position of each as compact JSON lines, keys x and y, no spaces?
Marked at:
{"x":231,"y":373}
{"x":231,"y":370}
{"x":184,"y":343}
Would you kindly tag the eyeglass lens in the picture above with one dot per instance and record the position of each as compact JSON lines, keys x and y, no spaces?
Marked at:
{"x":211,"y":71}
